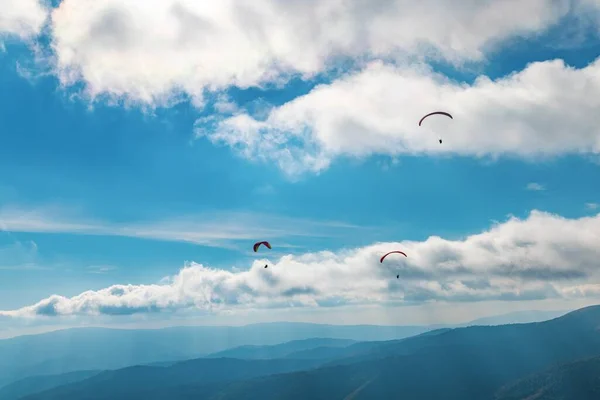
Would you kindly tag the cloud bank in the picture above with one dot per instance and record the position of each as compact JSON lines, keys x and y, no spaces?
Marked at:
{"x":152,"y":50}
{"x":543,"y":256}
{"x":548,"y":109}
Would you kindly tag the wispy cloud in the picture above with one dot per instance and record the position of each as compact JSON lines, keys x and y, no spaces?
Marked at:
{"x":265,"y":190}
{"x":215,"y":229}
{"x":592,"y":206}
{"x":534,"y":186}
{"x":24,"y":267}
{"x":22,"y":255}
{"x":101,"y":269}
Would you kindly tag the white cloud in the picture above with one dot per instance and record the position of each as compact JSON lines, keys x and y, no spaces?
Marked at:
{"x":101,"y":269}
{"x":22,"y":18}
{"x":536,"y":187}
{"x":265,"y":190}
{"x":150,"y":50}
{"x":16,"y":254}
{"x":225,"y":105}
{"x":215,"y":228}
{"x":545,"y":110}
{"x":541,"y":257}
{"x":592,"y":206}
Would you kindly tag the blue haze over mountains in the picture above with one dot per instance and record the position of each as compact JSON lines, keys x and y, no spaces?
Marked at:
{"x":201,"y":360}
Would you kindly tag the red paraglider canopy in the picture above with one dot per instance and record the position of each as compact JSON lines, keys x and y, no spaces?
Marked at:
{"x":392,"y":252}
{"x":257,"y":245}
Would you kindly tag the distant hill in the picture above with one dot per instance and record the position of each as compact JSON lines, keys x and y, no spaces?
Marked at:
{"x":518,"y":317}
{"x":97,"y":348}
{"x":282,"y":350}
{"x":453,"y":364}
{"x":129,"y":383}
{"x":320,"y":353}
{"x":35,"y":384}
{"x":578,"y":380}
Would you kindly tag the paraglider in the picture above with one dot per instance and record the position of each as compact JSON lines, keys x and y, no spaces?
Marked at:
{"x":393,"y":252}
{"x":257,"y":245}
{"x":434,"y":113}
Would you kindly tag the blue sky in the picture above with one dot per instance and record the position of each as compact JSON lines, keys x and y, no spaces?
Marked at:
{"x":102,"y":184}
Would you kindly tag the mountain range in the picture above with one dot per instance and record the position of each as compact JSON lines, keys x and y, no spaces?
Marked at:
{"x":479,"y":362}
{"x":79,"y":349}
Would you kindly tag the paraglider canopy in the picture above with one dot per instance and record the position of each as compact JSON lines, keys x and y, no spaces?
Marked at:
{"x":434,"y":113}
{"x":257,"y":245}
{"x":392,"y":252}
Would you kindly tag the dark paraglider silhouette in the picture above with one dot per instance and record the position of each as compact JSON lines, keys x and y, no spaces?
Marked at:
{"x":434,"y":113}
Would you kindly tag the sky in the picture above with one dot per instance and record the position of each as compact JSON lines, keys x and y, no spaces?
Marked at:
{"x":146,"y":145}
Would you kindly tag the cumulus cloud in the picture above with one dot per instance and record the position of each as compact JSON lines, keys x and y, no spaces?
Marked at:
{"x":152,"y":50}
{"x":543,"y":256}
{"x":545,"y":110}
{"x":22,"y":18}
{"x":534,"y":186}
